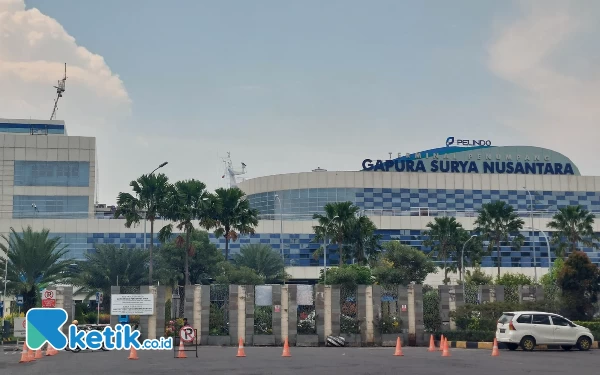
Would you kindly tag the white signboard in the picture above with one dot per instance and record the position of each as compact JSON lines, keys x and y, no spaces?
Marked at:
{"x":20,"y":324}
{"x":132,"y":304}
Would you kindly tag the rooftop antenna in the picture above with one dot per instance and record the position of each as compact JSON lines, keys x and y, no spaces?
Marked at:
{"x":230,"y":172}
{"x":59,"y":93}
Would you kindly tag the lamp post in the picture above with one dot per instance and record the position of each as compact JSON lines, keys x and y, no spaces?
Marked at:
{"x":325,"y":250}
{"x":152,"y":239}
{"x":532,"y":244}
{"x":462,"y":264}
{"x":155,"y":169}
{"x":281,"y":235}
{"x":547,"y":244}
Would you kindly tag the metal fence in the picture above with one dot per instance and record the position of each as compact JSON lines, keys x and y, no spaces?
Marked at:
{"x":349,"y":322}
{"x":305,"y":298}
{"x":219,"y":310}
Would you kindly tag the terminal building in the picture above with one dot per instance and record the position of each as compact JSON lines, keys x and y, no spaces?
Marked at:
{"x":48,"y":181}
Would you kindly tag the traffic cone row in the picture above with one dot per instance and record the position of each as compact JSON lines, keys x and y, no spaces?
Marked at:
{"x":29,"y":355}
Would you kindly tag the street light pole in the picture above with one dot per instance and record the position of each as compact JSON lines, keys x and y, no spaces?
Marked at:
{"x":281,"y":235}
{"x":532,"y":243}
{"x":547,"y":244}
{"x":150,"y":268}
{"x":462,"y":265}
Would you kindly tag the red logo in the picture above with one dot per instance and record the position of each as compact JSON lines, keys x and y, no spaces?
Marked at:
{"x":49,"y":294}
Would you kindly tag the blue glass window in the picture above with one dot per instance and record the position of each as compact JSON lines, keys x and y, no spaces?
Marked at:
{"x":31,"y":128}
{"x":41,"y":206}
{"x":52,"y":173}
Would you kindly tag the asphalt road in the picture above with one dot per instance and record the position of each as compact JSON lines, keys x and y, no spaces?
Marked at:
{"x":309,"y":361}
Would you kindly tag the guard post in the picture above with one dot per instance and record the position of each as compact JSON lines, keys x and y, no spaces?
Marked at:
{"x":189,"y":337}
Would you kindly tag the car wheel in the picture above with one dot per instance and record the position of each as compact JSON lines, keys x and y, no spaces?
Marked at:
{"x":528,"y":343}
{"x":566,"y":347}
{"x":512,"y":346}
{"x":584,"y":343}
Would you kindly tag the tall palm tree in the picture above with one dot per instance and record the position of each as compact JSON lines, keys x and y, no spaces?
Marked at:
{"x":497,"y":221}
{"x":232,"y":215}
{"x":362,"y":240}
{"x":443,"y":237}
{"x":263,"y":260}
{"x":35,"y":261}
{"x":335,"y":223}
{"x":149,"y":202}
{"x":572,"y":225}
{"x":110,"y":265}
{"x":187,"y":202}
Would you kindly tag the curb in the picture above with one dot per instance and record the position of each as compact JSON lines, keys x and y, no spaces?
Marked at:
{"x":489,"y":345}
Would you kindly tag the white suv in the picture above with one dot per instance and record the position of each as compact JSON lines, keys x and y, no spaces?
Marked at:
{"x":530,"y":328}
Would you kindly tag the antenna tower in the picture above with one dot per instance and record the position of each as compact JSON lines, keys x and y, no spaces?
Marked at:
{"x":230,"y":172}
{"x":60,"y":88}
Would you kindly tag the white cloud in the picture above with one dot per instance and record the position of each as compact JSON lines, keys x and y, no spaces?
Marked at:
{"x":537,"y":54}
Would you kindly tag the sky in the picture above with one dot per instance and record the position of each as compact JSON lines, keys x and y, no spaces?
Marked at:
{"x":291,"y":86}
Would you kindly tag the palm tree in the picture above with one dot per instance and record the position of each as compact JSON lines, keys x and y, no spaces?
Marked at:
{"x":232,"y":215}
{"x":187,"y":201}
{"x":262,"y":259}
{"x":35,"y":261}
{"x":443,"y":237}
{"x":574,"y":224}
{"x":111,"y":265}
{"x":149,"y":202}
{"x":334,"y":224}
{"x":497,"y":221}
{"x":362,"y":241}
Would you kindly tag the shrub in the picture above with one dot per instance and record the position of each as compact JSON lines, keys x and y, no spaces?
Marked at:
{"x":514,"y":279}
{"x":593,"y":326}
{"x":349,"y":325}
{"x":431,"y":311}
{"x":484,"y":317}
{"x":389,"y":324}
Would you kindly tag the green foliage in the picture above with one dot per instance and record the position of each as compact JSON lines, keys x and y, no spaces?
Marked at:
{"x":444,"y":238}
{"x":202,"y":263}
{"x":106,"y":265}
{"x":349,"y":325}
{"x":232,"y":275}
{"x":514,"y":279}
{"x":496,"y":221}
{"x":217,"y":322}
{"x":335,"y":225}
{"x":261,"y":258}
{"x":572,"y":225}
{"x":231,"y":215}
{"x":361,"y":241}
{"x":263,"y":320}
{"x":478,"y":277}
{"x":549,"y":282}
{"x":348,"y":275}
{"x":35,"y":261}
{"x":579,"y":280}
{"x":431,"y":311}
{"x":389,"y":324}
{"x":593,"y":326}
{"x":168,"y":308}
{"x":403,"y":264}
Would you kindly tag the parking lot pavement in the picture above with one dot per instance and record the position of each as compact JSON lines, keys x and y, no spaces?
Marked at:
{"x":348,"y":361}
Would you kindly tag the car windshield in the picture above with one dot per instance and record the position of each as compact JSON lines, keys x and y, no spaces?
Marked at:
{"x":505,"y":318}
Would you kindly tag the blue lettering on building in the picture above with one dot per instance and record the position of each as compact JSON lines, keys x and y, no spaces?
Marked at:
{"x":446,"y":166}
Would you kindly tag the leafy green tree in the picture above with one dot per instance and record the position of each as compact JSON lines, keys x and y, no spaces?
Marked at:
{"x":478,"y":277}
{"x":514,"y":279}
{"x":35,"y":261}
{"x":403,"y":264}
{"x":334,"y":225}
{"x":549,"y":282}
{"x":232,"y":215}
{"x":232,"y":275}
{"x":151,"y":192}
{"x":187,"y":202}
{"x":572,"y":225}
{"x":203,"y":264}
{"x":362,"y":241}
{"x":261,"y":258}
{"x":443,"y":237}
{"x":349,"y":275}
{"x":579,"y":280}
{"x":497,"y":221}
{"x":110,"y":265}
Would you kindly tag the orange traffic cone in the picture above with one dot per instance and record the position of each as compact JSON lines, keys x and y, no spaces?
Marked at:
{"x":50,"y":351}
{"x":181,"y":353}
{"x":431,"y":344}
{"x":133,"y":353}
{"x":446,"y":352}
{"x":241,"y":352}
{"x":24,"y":355}
{"x":495,"y":352}
{"x":442,"y":343}
{"x":286,"y":349}
{"x":38,"y":354}
{"x":398,"y":352}
{"x":31,"y":354}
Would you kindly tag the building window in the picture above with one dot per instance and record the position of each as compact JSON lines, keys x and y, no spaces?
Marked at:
{"x":52,"y":173}
{"x":40,"y":206}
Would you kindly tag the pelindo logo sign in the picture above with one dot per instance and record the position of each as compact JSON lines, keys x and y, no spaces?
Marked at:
{"x":467,"y":142}
{"x":45,"y":326}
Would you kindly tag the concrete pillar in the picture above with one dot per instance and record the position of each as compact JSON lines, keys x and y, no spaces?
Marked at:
{"x":197,"y":323}
{"x":234,"y":319}
{"x":361,"y":311}
{"x":376,"y":311}
{"x":539,"y":293}
{"x":188,"y":306}
{"x":145,"y":319}
{"x":370,"y":321}
{"x":276,"y":317}
{"x":249,"y":314}
{"x":160,"y":318}
{"x":403,"y":301}
{"x":444,"y":291}
{"x":452,"y":304}
{"x":204,"y":303}
{"x":484,"y":293}
{"x":114,"y":319}
{"x":323,"y":311}
{"x":412,"y":321}
{"x":336,"y":310}
{"x":292,"y":313}
{"x":284,"y":322}
{"x":64,"y":300}
{"x":499,"y":293}
{"x":418,"y":315}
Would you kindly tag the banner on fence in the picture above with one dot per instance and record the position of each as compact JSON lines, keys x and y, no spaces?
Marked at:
{"x":132,"y":304}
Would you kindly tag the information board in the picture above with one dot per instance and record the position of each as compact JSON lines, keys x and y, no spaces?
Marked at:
{"x":132,"y":304}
